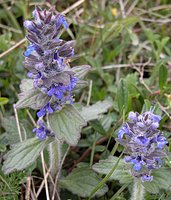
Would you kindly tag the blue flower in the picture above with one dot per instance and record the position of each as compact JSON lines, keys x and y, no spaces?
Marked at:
{"x":59,"y":62}
{"x":63,"y":92}
{"x":30,"y":26}
{"x":137,"y":167}
{"x":132,"y":116}
{"x":29,"y":50}
{"x":161,"y":141}
{"x":124,"y":130}
{"x":47,"y":58}
{"x":46,"y":109}
{"x":141,"y":140}
{"x":41,"y":131}
{"x":143,"y":143}
{"x":145,"y":178}
{"x":62,"y":21}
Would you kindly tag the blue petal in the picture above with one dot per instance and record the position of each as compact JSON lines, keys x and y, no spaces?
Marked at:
{"x":121,"y":133}
{"x":137,"y":167}
{"x":146,"y":178}
{"x":30,"y":74}
{"x":49,"y":109}
{"x":156,"y":118}
{"x":128,"y":158}
{"x":41,"y":112}
{"x":64,"y":22}
{"x":141,"y":140}
{"x":30,"y":48}
{"x":132,"y":116}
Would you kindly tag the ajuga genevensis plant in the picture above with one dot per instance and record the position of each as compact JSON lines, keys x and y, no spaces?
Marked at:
{"x":49,"y":89}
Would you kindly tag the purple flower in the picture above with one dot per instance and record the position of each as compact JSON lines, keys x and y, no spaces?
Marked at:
{"x":47,"y":59}
{"x":29,"y":50}
{"x":41,"y":130}
{"x":62,"y":21}
{"x":161,"y":141}
{"x":63,"y":92}
{"x":137,"y":167}
{"x":29,"y":25}
{"x":125,"y":130}
{"x":46,"y":109}
{"x":141,"y":140}
{"x":145,"y":178}
{"x":132,"y":116}
{"x":143,"y":143}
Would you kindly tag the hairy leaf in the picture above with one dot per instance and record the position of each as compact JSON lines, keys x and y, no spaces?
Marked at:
{"x":121,"y":174}
{"x":67,"y":124}
{"x":97,"y":126}
{"x":161,"y":180}
{"x":32,"y":98}
{"x":163,"y":73}
{"x":122,"y":94}
{"x":11,"y":132}
{"x":23,"y":154}
{"x":81,"y":71}
{"x":82,"y":181}
{"x":3,"y":101}
{"x":94,"y":111}
{"x":26,"y":84}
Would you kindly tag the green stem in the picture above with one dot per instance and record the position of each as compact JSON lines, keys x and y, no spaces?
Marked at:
{"x":138,"y":190}
{"x":119,"y":191}
{"x":93,"y":150}
{"x":55,"y":157}
{"x":106,"y":178}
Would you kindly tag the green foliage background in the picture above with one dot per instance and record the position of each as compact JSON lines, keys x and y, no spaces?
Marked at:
{"x":129,"y":52}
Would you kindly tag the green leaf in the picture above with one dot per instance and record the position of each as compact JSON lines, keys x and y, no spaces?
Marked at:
{"x":134,"y":37}
{"x":121,"y":173}
{"x":5,"y":40}
{"x":2,"y":148}
{"x":67,"y":124}
{"x":81,"y":181}
{"x":146,"y":106}
{"x":3,"y":101}
{"x":11,"y":135}
{"x":80,"y":84}
{"x":94,"y":111}
{"x":122,"y":95}
{"x":113,"y":29}
{"x":32,"y":98}
{"x":23,"y":154}
{"x":97,"y":126}
{"x":26,"y":84}
{"x":163,"y":74}
{"x":161,"y":180}
{"x":81,"y":71}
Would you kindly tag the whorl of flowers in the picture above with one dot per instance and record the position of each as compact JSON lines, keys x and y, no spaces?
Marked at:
{"x":41,"y":130}
{"x":143,"y":143}
{"x":47,"y":59}
{"x":47,"y":56}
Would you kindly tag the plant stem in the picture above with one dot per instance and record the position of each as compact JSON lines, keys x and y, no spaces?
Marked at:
{"x":138,"y":190}
{"x":105,"y":179}
{"x":58,"y":174}
{"x":55,"y":157}
{"x":119,"y":191}
{"x":55,"y":160}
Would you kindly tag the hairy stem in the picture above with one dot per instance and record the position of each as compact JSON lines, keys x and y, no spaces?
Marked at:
{"x":138,"y":190}
{"x":55,"y":157}
{"x":55,"y":161}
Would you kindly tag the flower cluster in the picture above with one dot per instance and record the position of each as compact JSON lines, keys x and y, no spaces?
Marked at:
{"x":47,"y":59}
{"x":41,"y":130}
{"x":143,"y":143}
